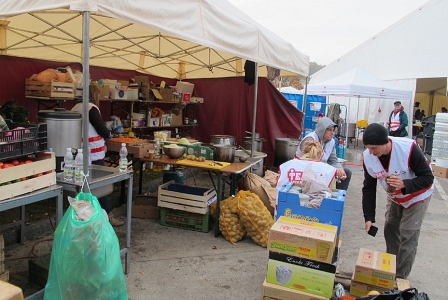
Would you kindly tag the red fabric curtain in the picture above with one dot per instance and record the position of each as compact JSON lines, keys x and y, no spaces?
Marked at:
{"x":227,"y":108}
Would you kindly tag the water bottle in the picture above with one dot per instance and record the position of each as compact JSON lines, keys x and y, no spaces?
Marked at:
{"x":342,"y":150}
{"x":79,"y":166}
{"x":157,"y":149}
{"x":123,"y":158}
{"x":68,"y":165}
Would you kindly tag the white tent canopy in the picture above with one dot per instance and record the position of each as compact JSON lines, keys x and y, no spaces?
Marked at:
{"x":172,"y":39}
{"x":358,"y":83}
{"x":409,"y":54}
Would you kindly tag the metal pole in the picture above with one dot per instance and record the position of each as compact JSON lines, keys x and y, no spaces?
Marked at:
{"x":85,"y":92}
{"x":304,"y":103}
{"x":254,"y":119}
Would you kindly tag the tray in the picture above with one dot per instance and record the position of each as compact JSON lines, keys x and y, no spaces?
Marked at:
{"x":207,"y":164}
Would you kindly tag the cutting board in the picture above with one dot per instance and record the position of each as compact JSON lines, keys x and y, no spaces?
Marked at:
{"x":207,"y":164}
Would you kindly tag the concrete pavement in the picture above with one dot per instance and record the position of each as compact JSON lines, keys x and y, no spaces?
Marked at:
{"x":170,"y":263}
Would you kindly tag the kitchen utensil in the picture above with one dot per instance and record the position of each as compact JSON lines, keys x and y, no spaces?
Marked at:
{"x":224,"y":153}
{"x":174,"y":152}
{"x":215,"y":139}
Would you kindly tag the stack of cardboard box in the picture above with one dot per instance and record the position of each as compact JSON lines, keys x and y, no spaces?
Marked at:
{"x":374,"y":271}
{"x":302,"y":260}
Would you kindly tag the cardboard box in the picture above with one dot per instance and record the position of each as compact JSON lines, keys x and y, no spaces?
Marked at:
{"x":330,"y":211}
{"x":133,"y":94}
{"x":186,"y":97}
{"x":197,"y":100}
{"x":375,"y":268}
{"x":137,"y":149}
{"x":104,"y":91}
{"x":10,"y":292}
{"x":278,"y":292}
{"x":154,"y":122}
{"x":439,"y":171}
{"x":301,"y":274}
{"x":184,"y":87}
{"x":359,"y":289}
{"x":145,"y":207}
{"x":303,"y":239}
{"x":166,"y":93}
{"x":187,"y":198}
{"x":176,"y":120}
{"x":117,"y":94}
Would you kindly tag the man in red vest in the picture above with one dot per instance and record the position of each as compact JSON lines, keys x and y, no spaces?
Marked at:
{"x":402,"y":169}
{"x":398,"y":121}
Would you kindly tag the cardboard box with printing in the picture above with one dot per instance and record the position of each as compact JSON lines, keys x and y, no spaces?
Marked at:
{"x":273,"y":291}
{"x":359,"y":289}
{"x":304,"y":239}
{"x":375,"y":268}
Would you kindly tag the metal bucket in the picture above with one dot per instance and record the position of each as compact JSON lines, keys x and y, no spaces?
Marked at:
{"x":215,"y":139}
{"x":258,"y":144}
{"x":285,"y":149}
{"x":64,"y":130}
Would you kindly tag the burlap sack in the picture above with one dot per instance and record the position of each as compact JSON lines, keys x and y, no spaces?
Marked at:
{"x":271,"y":177}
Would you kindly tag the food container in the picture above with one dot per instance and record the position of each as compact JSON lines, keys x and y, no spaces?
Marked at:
{"x":224,"y":153}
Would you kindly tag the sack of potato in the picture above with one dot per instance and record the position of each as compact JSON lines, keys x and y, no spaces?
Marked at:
{"x":213,"y":210}
{"x":254,"y":216}
{"x":229,"y":222}
{"x":271,"y":177}
{"x":255,"y":184}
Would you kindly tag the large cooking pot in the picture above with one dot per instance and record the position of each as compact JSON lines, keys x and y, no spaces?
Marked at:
{"x":215,"y":139}
{"x":224,"y":153}
{"x":285,"y":149}
{"x":64,"y":130}
{"x":258,"y":146}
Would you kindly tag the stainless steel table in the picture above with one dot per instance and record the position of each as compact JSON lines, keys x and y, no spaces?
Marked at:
{"x":36,"y":196}
{"x":100,"y":176}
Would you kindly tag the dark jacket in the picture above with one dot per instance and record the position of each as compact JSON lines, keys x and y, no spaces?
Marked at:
{"x":403,"y":123}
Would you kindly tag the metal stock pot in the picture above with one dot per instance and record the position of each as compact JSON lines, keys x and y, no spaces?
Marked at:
{"x":285,"y":149}
{"x":224,"y":153}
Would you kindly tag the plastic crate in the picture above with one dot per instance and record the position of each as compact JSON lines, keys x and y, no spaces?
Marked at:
{"x":31,"y":139}
{"x":38,"y":269}
{"x":185,"y":220}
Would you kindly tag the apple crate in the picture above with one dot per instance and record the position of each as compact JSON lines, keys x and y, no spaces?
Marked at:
{"x":187,"y":198}
{"x":26,"y":178}
{"x":53,"y":89}
{"x":15,"y":142}
{"x":185,"y":220}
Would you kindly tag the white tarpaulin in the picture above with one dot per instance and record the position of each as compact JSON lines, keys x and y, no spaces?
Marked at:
{"x":171,"y":39}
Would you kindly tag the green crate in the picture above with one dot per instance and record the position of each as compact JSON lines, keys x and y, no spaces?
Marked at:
{"x":185,"y":220}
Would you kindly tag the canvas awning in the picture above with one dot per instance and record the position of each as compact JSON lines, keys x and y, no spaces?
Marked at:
{"x":171,"y":39}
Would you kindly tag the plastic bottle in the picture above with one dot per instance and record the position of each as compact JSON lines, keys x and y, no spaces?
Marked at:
{"x":157,"y":149}
{"x":342,"y":151}
{"x":79,"y":166}
{"x":123,"y":158}
{"x":68,"y":165}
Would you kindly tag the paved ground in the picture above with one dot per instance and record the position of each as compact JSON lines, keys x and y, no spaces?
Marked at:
{"x":170,"y":263}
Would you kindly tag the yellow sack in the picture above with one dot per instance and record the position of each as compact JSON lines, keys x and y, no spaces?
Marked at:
{"x":254,"y":216}
{"x":229,"y":223}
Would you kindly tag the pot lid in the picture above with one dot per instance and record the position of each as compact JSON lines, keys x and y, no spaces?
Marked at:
{"x":59,"y":114}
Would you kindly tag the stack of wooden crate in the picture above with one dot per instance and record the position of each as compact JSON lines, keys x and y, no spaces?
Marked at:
{"x":4,"y":275}
{"x":185,"y":207}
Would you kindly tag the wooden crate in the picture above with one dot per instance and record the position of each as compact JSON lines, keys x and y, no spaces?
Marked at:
{"x":187,"y":198}
{"x":53,"y":89}
{"x":44,"y":163}
{"x":137,"y":149}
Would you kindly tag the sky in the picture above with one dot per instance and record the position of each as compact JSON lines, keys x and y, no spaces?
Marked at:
{"x":326,"y":29}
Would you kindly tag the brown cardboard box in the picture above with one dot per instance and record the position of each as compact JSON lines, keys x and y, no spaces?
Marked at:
{"x":166,"y":93}
{"x":145,"y":207}
{"x":10,"y":292}
{"x":375,"y":268}
{"x":359,"y":289}
{"x":274,"y":291}
{"x":439,"y":171}
{"x":104,"y":91}
{"x":176,"y":120}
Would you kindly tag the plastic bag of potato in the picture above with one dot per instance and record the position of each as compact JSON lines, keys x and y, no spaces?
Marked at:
{"x":254,"y":216}
{"x":229,"y":223}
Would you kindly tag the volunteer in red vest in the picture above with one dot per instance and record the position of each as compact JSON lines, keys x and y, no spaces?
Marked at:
{"x":97,"y":133}
{"x":324,"y":133}
{"x":398,"y":121}
{"x":404,"y":172}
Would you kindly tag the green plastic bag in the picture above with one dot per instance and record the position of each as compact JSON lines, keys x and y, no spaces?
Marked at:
{"x":85,"y":258}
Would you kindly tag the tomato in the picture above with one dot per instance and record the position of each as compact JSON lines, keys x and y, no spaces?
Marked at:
{"x":38,"y":175}
{"x":4,"y":166}
{"x":1,"y":164}
{"x":28,"y":161}
{"x":47,"y":172}
{"x":21,"y":163}
{"x":15,"y":162}
{"x":23,"y":179}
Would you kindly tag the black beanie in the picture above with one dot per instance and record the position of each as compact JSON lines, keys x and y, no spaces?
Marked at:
{"x":375,"y":134}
